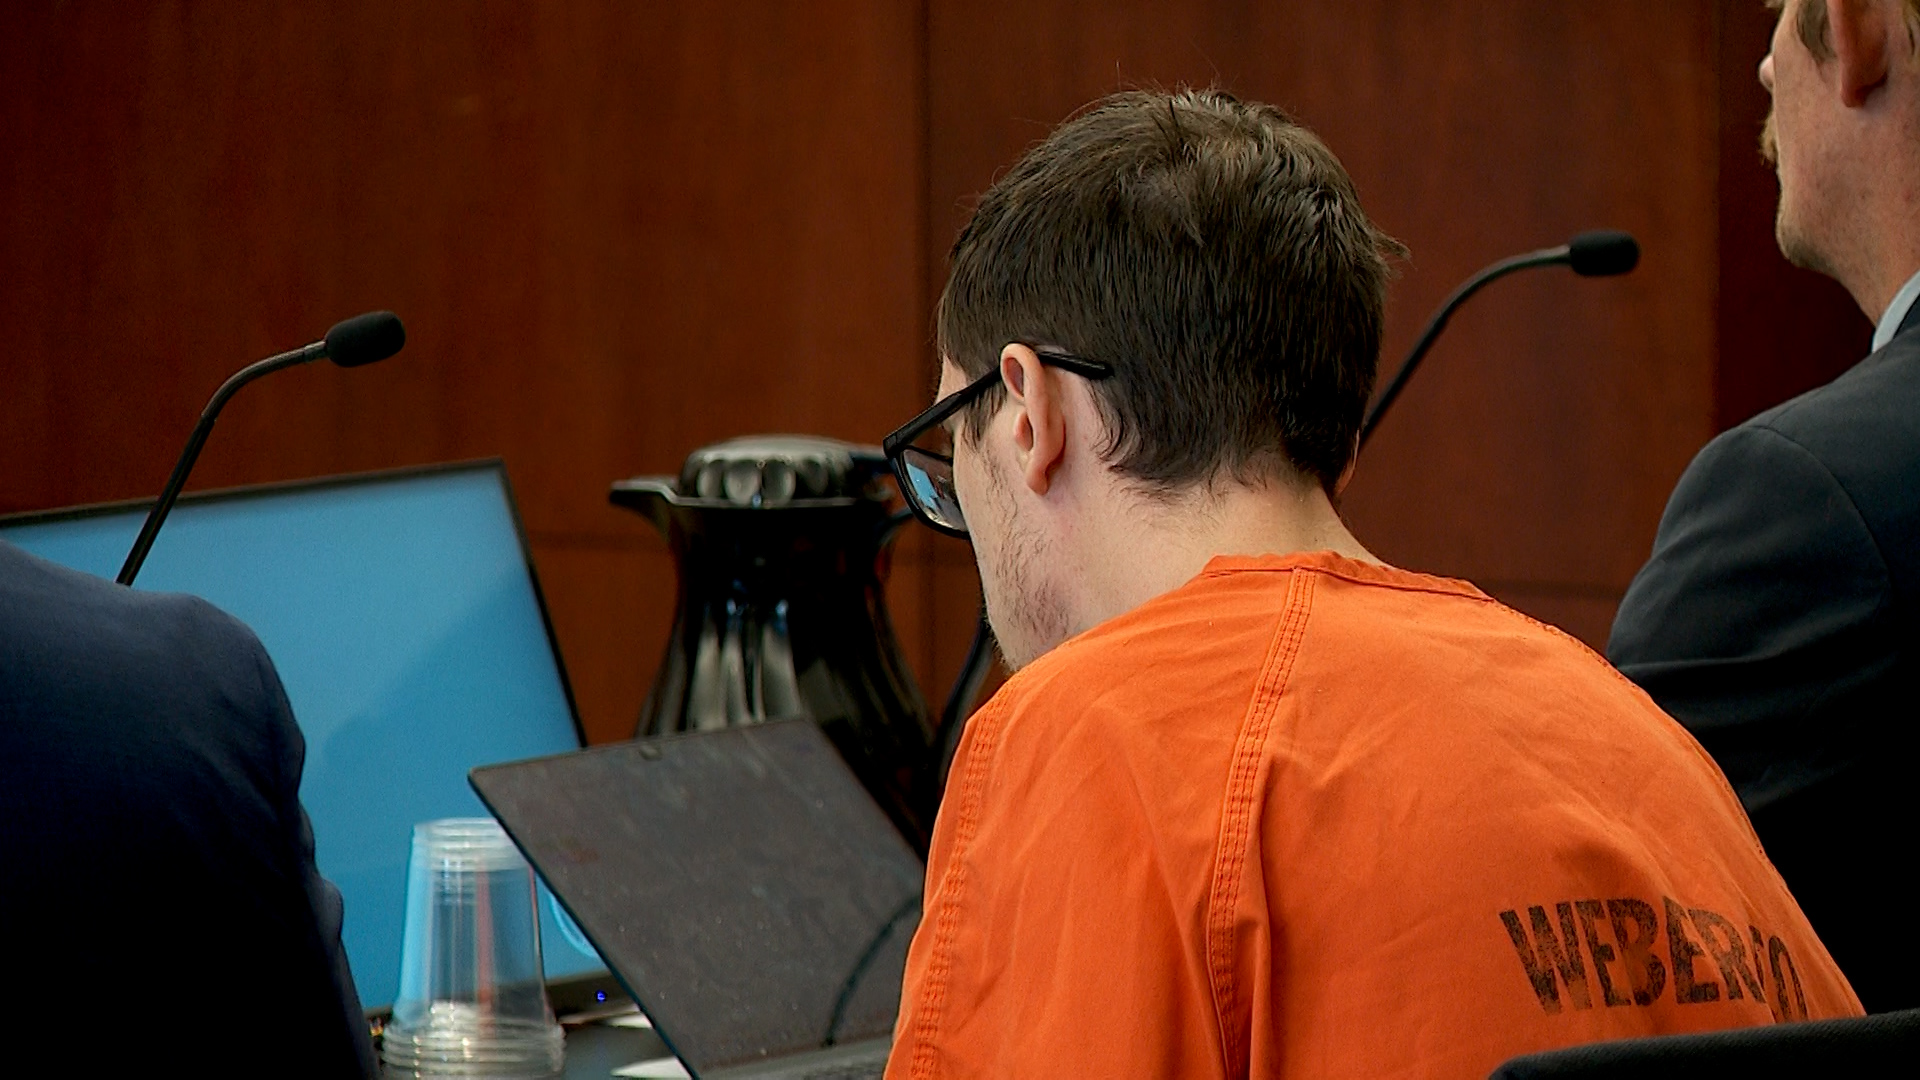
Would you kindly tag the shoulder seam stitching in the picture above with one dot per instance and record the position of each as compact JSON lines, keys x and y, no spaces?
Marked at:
{"x":946,"y":920}
{"x":1230,"y":855}
{"x":1472,"y":592}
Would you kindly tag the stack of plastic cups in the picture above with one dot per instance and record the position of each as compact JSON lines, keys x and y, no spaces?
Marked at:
{"x":472,"y":999}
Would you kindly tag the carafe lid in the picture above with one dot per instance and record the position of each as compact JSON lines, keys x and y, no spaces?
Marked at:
{"x":781,"y":470}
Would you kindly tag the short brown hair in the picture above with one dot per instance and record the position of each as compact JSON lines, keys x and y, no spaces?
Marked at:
{"x":1215,"y":253}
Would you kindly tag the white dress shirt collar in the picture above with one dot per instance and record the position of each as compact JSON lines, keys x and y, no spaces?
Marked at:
{"x":1896,"y":313}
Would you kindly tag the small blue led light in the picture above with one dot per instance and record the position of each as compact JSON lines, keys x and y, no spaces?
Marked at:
{"x":599,"y":995}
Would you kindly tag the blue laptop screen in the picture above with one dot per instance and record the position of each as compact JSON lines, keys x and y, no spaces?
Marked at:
{"x":401,"y":612}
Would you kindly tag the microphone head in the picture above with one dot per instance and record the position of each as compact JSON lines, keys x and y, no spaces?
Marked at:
{"x":365,"y":339}
{"x":1603,"y":254}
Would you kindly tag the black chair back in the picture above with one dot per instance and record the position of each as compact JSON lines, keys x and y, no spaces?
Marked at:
{"x":1869,"y":1046}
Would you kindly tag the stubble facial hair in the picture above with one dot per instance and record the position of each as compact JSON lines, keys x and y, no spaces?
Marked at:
{"x":1798,"y":249}
{"x":1024,"y":608}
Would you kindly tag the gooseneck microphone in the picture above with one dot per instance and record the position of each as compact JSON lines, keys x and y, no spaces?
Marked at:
{"x":1591,"y":254}
{"x":362,"y":339}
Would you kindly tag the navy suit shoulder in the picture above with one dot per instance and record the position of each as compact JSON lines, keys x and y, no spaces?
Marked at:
{"x":1776,"y":619}
{"x":1782,"y":581}
{"x":157,"y":855}
{"x":1864,"y":427}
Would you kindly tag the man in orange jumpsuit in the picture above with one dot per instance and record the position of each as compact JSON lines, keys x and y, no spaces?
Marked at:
{"x":1254,"y":803}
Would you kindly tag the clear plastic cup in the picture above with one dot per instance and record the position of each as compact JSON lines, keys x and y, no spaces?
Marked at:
{"x":472,"y":1000}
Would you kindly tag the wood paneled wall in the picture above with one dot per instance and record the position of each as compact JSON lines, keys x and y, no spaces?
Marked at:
{"x":620,"y":231}
{"x":616,"y":232}
{"x":1534,"y":451}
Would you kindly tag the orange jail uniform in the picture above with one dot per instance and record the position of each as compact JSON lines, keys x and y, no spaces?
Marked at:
{"x":1309,"y":817}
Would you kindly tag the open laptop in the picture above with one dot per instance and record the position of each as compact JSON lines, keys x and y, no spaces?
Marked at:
{"x":402,"y":612}
{"x":745,"y":889}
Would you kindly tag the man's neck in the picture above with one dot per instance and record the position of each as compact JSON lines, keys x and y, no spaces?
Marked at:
{"x":1880,"y":240}
{"x":1885,"y":246}
{"x":1148,"y":546}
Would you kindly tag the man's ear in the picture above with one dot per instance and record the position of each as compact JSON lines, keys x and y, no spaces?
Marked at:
{"x":1346,"y":474}
{"x":1039,"y":425}
{"x":1862,"y":40}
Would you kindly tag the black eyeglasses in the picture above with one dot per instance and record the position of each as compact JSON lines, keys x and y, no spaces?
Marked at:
{"x":926,"y":476}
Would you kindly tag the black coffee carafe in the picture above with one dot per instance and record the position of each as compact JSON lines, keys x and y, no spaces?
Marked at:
{"x":782,"y":547}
